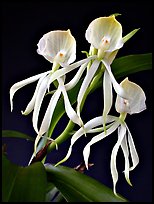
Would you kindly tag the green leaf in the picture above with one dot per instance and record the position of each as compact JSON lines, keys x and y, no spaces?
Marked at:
{"x":130,"y":64}
{"x":129,"y":35}
{"x":16,"y":134}
{"x":78,"y":187}
{"x":23,"y":184}
{"x":53,"y":194}
{"x":50,"y":192}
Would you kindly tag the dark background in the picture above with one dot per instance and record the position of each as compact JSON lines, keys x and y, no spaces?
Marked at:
{"x":23,"y":24}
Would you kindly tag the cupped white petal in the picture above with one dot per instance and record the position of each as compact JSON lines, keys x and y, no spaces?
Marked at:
{"x":125,"y":150}
{"x":97,"y":138}
{"x":31,"y":104}
{"x":48,"y":116}
{"x":118,"y":88}
{"x":39,"y":98}
{"x":23,"y":83}
{"x":136,"y":99}
{"x":108,"y":96}
{"x":69,"y":110}
{"x":114,"y":172}
{"x":90,"y":74}
{"x":59,"y":46}
{"x":105,"y":30}
{"x":134,"y":155}
{"x":61,"y":72}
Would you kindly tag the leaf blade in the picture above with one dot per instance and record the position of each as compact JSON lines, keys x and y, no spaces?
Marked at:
{"x":76,"y":186}
{"x":16,"y":134}
{"x":23,"y":184}
{"x":130,"y":64}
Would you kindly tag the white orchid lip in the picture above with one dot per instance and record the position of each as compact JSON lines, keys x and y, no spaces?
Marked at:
{"x":136,"y":100}
{"x":59,"y":46}
{"x":105,"y":34}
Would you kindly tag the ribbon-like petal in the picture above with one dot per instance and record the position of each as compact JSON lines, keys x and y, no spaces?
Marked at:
{"x":87,"y":127}
{"x":23,"y":83}
{"x":76,"y":78}
{"x":31,"y":104}
{"x":114,"y":173}
{"x":90,"y":73}
{"x":97,"y":138}
{"x":69,"y":110}
{"x":108,"y":97}
{"x":61,"y":72}
{"x":134,"y":155}
{"x":118,"y":88}
{"x":48,"y":116}
{"x":39,"y":99}
{"x":125,"y":150}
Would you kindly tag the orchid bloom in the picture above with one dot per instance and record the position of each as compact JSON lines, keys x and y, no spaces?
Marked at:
{"x":105,"y":36}
{"x":59,"y":48}
{"x":135,"y":104}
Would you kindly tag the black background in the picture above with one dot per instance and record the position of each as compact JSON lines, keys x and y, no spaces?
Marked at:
{"x":23,"y":24}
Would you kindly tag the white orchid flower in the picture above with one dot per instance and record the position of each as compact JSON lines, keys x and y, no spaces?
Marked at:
{"x":58,"y":47}
{"x":136,"y":104}
{"x":105,"y":36}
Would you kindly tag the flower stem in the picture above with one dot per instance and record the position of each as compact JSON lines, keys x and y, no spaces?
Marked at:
{"x":122,"y":117}
{"x":62,"y":137}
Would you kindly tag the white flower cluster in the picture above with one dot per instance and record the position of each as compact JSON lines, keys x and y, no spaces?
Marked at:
{"x":104,"y":35}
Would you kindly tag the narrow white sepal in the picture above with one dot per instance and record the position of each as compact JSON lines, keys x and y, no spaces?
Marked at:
{"x":38,"y":102}
{"x":97,"y":138}
{"x":76,"y":78}
{"x":88,"y":126}
{"x":118,"y":89}
{"x":49,"y":112}
{"x":90,"y":73}
{"x":134,"y":155}
{"x":31,"y":104}
{"x":23,"y":83}
{"x":69,"y":109}
{"x":114,"y":173}
{"x":61,"y":72}
{"x":125,"y":150}
{"x":108,"y":96}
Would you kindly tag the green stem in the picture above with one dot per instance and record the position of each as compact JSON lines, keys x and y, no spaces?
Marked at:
{"x":122,"y":117}
{"x":62,"y":137}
